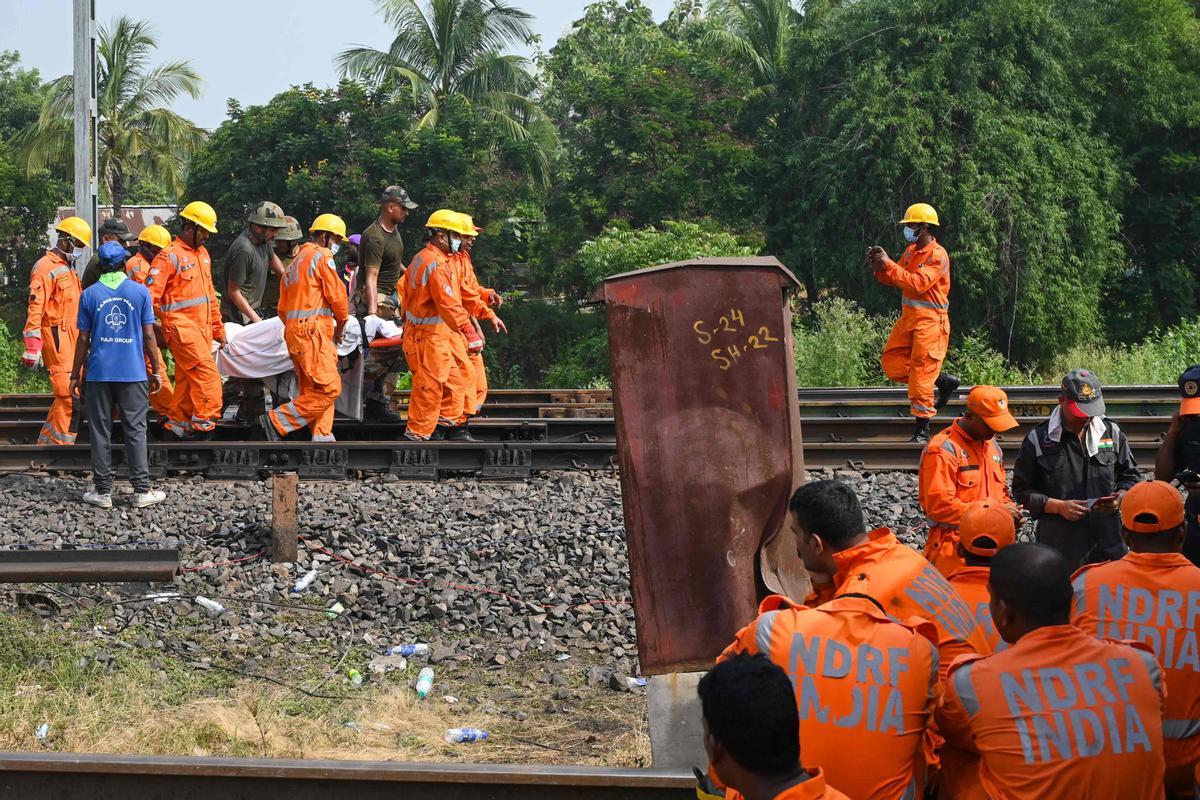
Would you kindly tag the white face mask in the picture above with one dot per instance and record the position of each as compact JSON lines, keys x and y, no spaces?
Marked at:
{"x":72,"y":256}
{"x":455,"y":244}
{"x":333,"y":248}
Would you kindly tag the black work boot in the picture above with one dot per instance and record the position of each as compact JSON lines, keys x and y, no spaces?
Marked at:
{"x":920,"y":431}
{"x":947,"y":387}
{"x":459,"y":433}
{"x":379,"y":411}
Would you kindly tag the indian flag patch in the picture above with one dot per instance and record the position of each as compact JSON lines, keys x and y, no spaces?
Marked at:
{"x":1105,"y":444}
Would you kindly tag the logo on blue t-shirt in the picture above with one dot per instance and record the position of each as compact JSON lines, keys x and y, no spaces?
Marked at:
{"x":115,"y":319}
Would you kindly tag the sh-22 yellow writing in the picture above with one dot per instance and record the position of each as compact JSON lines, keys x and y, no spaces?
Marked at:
{"x":732,"y":324}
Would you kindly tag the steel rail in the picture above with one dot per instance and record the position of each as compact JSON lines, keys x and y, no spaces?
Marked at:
{"x":88,"y":566}
{"x":80,"y":776}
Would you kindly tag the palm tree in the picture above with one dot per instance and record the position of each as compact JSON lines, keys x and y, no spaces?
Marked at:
{"x":451,"y":51}
{"x":759,"y":32}
{"x":136,"y":133}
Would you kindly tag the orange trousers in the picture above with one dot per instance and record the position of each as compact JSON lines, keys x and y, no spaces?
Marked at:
{"x":481,"y":385}
{"x":941,"y":548}
{"x":459,"y":403}
{"x":434,"y":354}
{"x":314,"y":356}
{"x":160,"y":401}
{"x":58,"y":354}
{"x":196,"y":401}
{"x":914,"y":354}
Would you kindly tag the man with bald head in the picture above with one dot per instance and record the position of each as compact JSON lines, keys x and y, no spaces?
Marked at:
{"x":1059,"y":714}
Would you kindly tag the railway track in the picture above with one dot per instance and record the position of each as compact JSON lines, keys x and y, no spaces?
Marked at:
{"x":80,"y":776}
{"x":526,"y":431}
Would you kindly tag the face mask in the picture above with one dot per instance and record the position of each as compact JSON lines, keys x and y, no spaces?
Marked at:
{"x":333,"y":248}
{"x":910,"y":235}
{"x":72,"y":256}
{"x":455,"y":244}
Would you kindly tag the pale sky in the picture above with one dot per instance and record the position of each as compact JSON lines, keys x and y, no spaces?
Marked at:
{"x":243,"y":49}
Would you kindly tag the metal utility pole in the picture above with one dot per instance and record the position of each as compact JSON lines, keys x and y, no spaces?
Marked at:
{"x":85,"y":115}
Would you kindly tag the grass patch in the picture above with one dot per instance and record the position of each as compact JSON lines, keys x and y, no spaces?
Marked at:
{"x":108,"y":695}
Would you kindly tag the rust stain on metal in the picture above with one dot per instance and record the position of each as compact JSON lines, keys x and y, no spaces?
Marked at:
{"x":708,"y":434}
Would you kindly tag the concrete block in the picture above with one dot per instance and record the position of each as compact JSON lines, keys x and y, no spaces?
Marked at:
{"x":676,"y":726}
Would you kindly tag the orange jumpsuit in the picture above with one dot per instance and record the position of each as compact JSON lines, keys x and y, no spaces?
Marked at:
{"x":865,"y":683}
{"x":312,"y":297}
{"x":138,"y":268}
{"x":52,"y":316}
{"x":907,"y":586}
{"x":917,"y":345}
{"x":180,"y":283}
{"x":433,"y":323}
{"x":1153,"y":598}
{"x":473,"y":301}
{"x":1060,"y":715}
{"x":956,"y":470}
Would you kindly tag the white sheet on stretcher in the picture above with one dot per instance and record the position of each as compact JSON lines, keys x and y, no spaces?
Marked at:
{"x":257,"y":350}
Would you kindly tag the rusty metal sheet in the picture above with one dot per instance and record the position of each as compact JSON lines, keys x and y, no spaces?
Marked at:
{"x":708,"y":434}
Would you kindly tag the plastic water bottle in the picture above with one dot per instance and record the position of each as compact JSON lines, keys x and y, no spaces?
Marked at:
{"x":424,"y":682}
{"x":355,"y":676}
{"x":305,"y":582}
{"x":213,"y":607}
{"x":464,"y":735}
{"x":409,"y":650}
{"x":42,"y":732}
{"x":335,"y":610}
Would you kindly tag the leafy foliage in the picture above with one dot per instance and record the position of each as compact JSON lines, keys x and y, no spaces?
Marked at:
{"x":137,"y":131}
{"x":451,"y":52}
{"x":646,"y":117}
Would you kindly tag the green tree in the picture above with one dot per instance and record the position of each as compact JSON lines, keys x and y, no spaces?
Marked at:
{"x":27,"y":202}
{"x":972,"y":107}
{"x":646,"y":117}
{"x":756,"y":32}
{"x":136,"y":132}
{"x":451,"y":52}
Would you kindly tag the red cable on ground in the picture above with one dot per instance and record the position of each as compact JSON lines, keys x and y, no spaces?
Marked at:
{"x":235,"y":562}
{"x":462,"y":587}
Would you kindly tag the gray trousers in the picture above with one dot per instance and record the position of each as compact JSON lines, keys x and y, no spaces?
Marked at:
{"x":134,"y":399}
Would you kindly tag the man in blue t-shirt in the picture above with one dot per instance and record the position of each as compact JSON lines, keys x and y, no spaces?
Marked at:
{"x":116,"y":341}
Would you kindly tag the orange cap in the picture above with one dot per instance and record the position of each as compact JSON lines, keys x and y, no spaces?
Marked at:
{"x":986,"y":528}
{"x":1152,"y":507}
{"x":991,"y":405}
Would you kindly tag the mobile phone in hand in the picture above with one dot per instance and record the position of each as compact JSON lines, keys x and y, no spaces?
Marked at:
{"x":1187,"y":476}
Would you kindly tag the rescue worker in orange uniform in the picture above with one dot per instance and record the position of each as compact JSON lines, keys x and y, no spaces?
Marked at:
{"x":1059,"y":714}
{"x":917,"y":345}
{"x":437,"y":334}
{"x":50,"y":329}
{"x":314,"y":308}
{"x":962,"y":464}
{"x":750,"y":722}
{"x":151,"y":241}
{"x":864,"y":682}
{"x":985,"y":529}
{"x":1152,"y":595}
{"x":477,"y":300}
{"x":843,"y":559}
{"x":185,"y":305}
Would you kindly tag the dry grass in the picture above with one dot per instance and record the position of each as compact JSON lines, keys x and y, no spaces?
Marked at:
{"x":145,"y":701}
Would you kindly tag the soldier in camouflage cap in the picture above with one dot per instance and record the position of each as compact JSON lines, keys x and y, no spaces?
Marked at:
{"x":268,"y":215}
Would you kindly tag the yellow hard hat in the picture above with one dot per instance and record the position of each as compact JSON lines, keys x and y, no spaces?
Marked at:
{"x":156,"y":235}
{"x":920,"y":212}
{"x":445,"y":219}
{"x":330,"y":223}
{"x":469,"y":227}
{"x":77,"y":228}
{"x":202,"y":214}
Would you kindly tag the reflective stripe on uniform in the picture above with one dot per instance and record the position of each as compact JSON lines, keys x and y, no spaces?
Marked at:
{"x":33,"y":334}
{"x":934,"y":523}
{"x":54,"y":273}
{"x":320,"y":437}
{"x":315,"y":312}
{"x":950,"y":448}
{"x":924,"y":304}
{"x":428,"y":271}
{"x":195,"y":301}
{"x":927,"y":409}
{"x":1180,"y":728}
{"x":289,"y":420}
{"x":965,"y":689}
{"x":762,"y":631}
{"x":415,"y":320}
{"x":910,"y":793}
{"x":50,"y":435}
